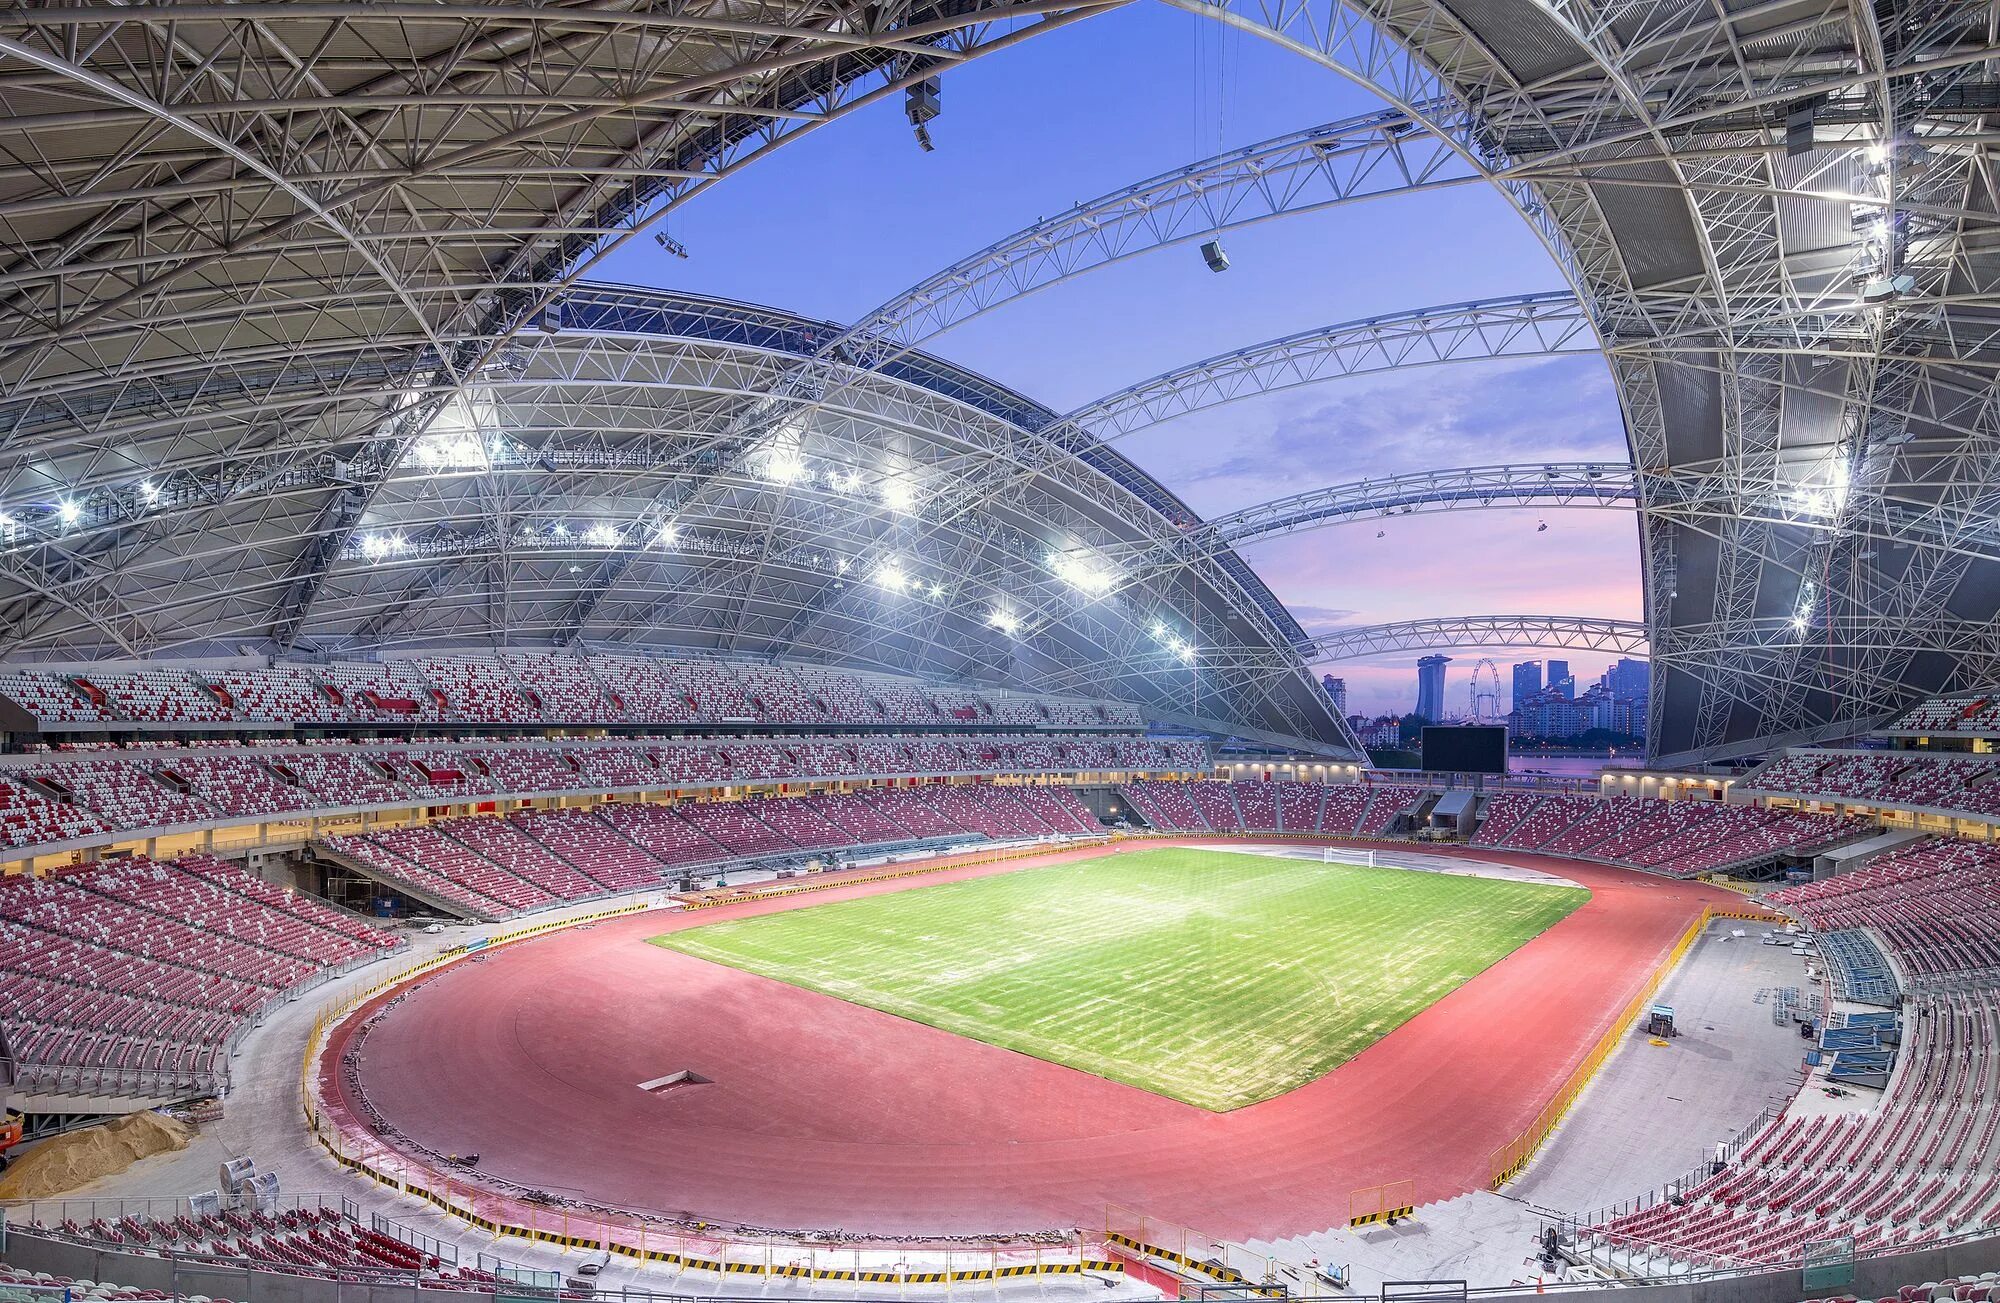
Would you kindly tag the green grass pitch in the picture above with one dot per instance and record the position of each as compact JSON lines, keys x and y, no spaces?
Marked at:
{"x":1213,"y":978}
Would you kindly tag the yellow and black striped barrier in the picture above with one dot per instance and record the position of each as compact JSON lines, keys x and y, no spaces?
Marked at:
{"x":1216,"y":1271}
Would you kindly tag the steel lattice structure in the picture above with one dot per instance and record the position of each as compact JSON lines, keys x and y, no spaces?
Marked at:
{"x":1555,"y":632}
{"x":296,"y":348}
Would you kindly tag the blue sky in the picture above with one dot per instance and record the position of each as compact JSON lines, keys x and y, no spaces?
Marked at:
{"x":837,"y":222}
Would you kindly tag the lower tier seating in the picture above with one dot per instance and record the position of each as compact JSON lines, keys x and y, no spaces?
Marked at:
{"x":1919,"y":1166}
{"x":1936,"y":903}
{"x":131,"y":977}
{"x":308,"y":1241}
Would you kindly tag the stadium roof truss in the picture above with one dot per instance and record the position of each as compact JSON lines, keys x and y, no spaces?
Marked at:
{"x":295,"y":353}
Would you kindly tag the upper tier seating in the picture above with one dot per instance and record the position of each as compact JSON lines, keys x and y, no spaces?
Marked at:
{"x":235,"y":784}
{"x":161,"y":696}
{"x":121,"y":794}
{"x":51,"y":698}
{"x":27,"y":819}
{"x":1978,"y":713}
{"x":563,"y":689}
{"x":839,"y":697}
{"x":388,"y":692}
{"x":527,"y":688}
{"x":477,"y":689}
{"x":649,"y":695}
{"x":906,"y":703}
{"x":279,"y":694}
{"x":774,"y":693}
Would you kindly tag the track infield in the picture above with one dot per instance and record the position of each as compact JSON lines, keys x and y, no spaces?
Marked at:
{"x":1213,"y":978}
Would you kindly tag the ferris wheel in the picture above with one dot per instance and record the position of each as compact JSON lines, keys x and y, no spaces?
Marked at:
{"x":1485,"y":691}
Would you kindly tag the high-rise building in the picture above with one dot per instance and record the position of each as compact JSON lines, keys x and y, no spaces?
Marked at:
{"x":1430,"y":686}
{"x":1527,"y":681}
{"x":1561,"y":681}
{"x":1628,"y":680}
{"x":1336,"y":692}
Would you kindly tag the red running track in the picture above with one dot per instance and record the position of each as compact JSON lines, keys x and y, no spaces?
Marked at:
{"x":826,"y":1114}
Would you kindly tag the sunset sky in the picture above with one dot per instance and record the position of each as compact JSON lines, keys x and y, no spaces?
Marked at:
{"x":853,"y":214}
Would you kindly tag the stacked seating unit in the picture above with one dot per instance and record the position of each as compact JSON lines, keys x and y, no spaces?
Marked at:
{"x":592,"y":845}
{"x":1386,"y":803}
{"x":735,"y":825}
{"x":1058,"y":807}
{"x":1258,"y":804}
{"x":1169,"y":807}
{"x":1299,"y":806}
{"x":662,"y":832}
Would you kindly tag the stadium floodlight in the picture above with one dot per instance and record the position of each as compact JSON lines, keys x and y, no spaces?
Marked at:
{"x":149,"y":491}
{"x":69,"y":511}
{"x":1082,"y":571}
{"x":891,"y":576}
{"x":898,"y":494}
{"x":783,"y":468}
{"x":601,"y":536}
{"x":666,"y":535}
{"x":378,"y":545}
{"x":1004,"y":620}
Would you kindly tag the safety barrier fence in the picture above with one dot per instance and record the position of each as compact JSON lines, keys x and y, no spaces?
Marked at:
{"x":1388,"y":1202}
{"x":1189,"y":1253}
{"x":1508,"y":1160}
{"x":884,"y":873}
{"x":698,"y":1248}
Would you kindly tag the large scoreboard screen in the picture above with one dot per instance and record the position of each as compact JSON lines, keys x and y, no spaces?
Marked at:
{"x":1465,"y":749}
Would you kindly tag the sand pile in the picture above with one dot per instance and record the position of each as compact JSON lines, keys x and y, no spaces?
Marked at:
{"x":64,"y":1163}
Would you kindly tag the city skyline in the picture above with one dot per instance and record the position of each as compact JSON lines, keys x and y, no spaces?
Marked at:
{"x":1396,"y":694}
